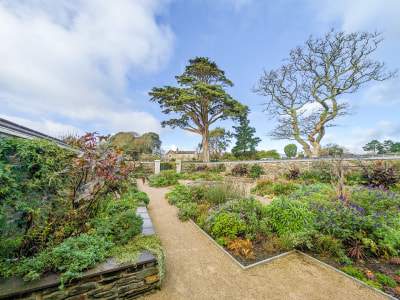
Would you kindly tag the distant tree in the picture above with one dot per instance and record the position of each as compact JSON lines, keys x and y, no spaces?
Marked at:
{"x":374,"y":146}
{"x":304,"y":93}
{"x":199,"y":101}
{"x":332,"y":150}
{"x":272,"y":154}
{"x":390,"y":146}
{"x":395,"y":148}
{"x":136,"y":146}
{"x":151,"y":143}
{"x":219,"y":141}
{"x":228,"y":156}
{"x":290,"y":150}
{"x":246,"y":143}
{"x":387,"y":146}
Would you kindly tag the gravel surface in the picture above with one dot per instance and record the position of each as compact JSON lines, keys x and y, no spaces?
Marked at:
{"x":197,"y":269}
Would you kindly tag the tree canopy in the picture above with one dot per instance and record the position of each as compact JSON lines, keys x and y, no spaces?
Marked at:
{"x":303,"y":95}
{"x":146,"y":146}
{"x":290,"y":150}
{"x":199,"y":101}
{"x":246,"y":143}
{"x":388,"y":146}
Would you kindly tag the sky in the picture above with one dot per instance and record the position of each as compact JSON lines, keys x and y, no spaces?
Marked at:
{"x":76,"y":66}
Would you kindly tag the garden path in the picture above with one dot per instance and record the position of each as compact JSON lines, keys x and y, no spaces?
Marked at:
{"x":197,"y":269}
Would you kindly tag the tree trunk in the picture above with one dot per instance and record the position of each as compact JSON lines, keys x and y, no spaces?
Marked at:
{"x":206,"y":145}
{"x":316,"y":149}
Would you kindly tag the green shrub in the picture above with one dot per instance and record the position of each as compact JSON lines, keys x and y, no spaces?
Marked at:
{"x":288,"y":215}
{"x":165,"y":178}
{"x":249,"y":209}
{"x":188,"y":211}
{"x":119,"y":223}
{"x":385,"y":280}
{"x":353,"y":272}
{"x":71,"y":257}
{"x":372,"y":283}
{"x":268,"y":187}
{"x":284,"y":187}
{"x":262,"y":188}
{"x":320,"y":172}
{"x":141,"y":196}
{"x":127,"y":224}
{"x":221,"y":167}
{"x":114,"y":206}
{"x":265,"y":227}
{"x":228,"y":225}
{"x":255,"y":171}
{"x":159,"y":182}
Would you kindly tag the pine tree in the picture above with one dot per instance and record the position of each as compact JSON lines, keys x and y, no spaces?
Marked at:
{"x":246,"y":143}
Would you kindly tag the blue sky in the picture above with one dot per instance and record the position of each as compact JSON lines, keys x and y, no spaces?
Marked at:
{"x":80,"y":66}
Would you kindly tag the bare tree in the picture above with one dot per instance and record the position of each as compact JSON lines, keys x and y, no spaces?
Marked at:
{"x":304,"y":93}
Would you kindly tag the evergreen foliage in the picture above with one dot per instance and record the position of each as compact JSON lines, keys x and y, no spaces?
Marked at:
{"x":200,"y":100}
{"x":246,"y":143}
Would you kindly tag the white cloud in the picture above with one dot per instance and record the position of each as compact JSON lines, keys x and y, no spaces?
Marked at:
{"x":355,"y":146}
{"x":167,"y":148}
{"x":140,"y":122}
{"x":385,"y":94}
{"x":384,"y":130}
{"x":371,"y":133}
{"x":360,"y":14}
{"x":71,"y":59}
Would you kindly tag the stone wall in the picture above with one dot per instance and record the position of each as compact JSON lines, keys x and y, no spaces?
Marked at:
{"x":148,"y":167}
{"x":277,"y":167}
{"x":117,"y":282}
{"x":106,"y":281}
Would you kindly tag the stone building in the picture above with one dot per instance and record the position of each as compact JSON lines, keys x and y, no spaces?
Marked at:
{"x":181,"y":155}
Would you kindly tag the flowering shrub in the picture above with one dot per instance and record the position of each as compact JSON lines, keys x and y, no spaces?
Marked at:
{"x":370,"y":214}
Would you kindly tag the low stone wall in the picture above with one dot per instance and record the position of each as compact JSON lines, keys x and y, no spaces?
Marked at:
{"x":277,"y":167}
{"x":106,"y":281}
{"x":148,"y":167}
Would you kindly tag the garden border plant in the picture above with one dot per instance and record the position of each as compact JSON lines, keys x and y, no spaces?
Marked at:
{"x":74,"y":209}
{"x":341,"y":242}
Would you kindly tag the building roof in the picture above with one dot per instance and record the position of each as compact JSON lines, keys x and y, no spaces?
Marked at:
{"x":182,"y":152}
{"x":15,"y":130}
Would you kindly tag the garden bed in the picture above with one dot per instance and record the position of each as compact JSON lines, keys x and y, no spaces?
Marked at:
{"x":64,"y":212}
{"x":359,"y":235}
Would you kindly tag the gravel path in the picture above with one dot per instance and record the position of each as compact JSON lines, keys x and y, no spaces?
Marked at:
{"x":198,"y":269}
